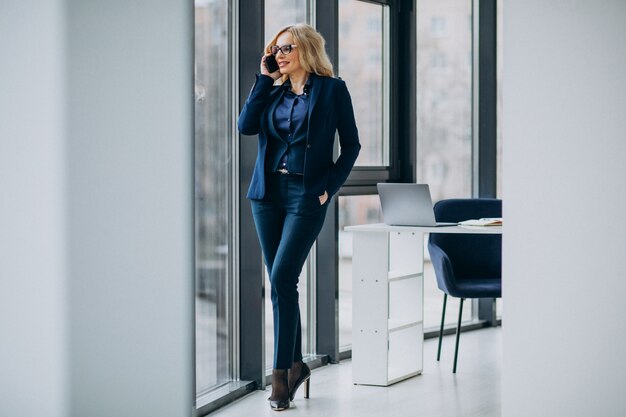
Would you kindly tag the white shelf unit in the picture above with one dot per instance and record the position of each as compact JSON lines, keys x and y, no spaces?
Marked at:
{"x":387,"y":306}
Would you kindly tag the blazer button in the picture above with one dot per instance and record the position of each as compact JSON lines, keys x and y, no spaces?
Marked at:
{"x":308,"y":146}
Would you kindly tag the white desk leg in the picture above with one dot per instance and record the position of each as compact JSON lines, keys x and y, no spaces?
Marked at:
{"x":370,"y":307}
{"x":406,"y":300}
{"x":387,"y":307}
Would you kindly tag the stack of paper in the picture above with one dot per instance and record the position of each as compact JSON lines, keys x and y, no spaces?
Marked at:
{"x":485,"y":221}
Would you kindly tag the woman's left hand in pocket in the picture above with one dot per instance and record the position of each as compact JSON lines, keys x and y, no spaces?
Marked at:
{"x":323,"y":198}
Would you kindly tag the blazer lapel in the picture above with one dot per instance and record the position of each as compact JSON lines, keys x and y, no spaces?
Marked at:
{"x":269,"y":112}
{"x":316,"y":88}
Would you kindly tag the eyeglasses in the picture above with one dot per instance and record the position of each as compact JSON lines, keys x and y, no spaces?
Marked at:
{"x":285,"y":49}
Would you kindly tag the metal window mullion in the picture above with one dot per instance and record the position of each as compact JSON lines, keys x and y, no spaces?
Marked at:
{"x":475,"y":309}
{"x":484,"y":98}
{"x":475,"y":118}
{"x":311,"y":306}
{"x":486,"y":310}
{"x":250,"y":29}
{"x":235,"y":212}
{"x":484,"y":118}
{"x":311,"y":15}
{"x":475,"y":99}
{"x":326,"y":304}
{"x":386,"y":87}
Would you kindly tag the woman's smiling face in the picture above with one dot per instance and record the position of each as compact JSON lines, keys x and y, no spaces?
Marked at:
{"x":289,"y":63}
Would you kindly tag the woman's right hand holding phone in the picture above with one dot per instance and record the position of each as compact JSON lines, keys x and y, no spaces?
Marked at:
{"x":265,"y":71}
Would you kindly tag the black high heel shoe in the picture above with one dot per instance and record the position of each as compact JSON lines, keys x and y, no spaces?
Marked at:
{"x":304,"y":377}
{"x":280,"y":386}
{"x":279,"y":405}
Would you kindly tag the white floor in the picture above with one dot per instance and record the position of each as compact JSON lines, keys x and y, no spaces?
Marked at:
{"x":473,"y":391}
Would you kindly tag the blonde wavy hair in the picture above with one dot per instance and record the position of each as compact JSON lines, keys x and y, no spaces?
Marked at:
{"x":311,"y":47}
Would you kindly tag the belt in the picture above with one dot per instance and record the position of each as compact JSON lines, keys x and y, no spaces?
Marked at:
{"x":284,"y":171}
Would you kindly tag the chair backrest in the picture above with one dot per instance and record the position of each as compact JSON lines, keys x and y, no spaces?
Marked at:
{"x":471,"y":255}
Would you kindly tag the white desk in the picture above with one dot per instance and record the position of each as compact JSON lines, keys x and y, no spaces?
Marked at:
{"x":388,"y":298}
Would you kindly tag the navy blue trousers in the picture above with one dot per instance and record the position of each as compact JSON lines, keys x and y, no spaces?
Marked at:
{"x":287,"y":222}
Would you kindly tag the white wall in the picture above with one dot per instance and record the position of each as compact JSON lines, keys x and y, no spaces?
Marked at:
{"x":33,"y":277}
{"x":565,"y":208}
{"x":96,"y":296}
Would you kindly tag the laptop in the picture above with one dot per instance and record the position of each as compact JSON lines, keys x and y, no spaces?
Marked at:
{"x":407,"y":205}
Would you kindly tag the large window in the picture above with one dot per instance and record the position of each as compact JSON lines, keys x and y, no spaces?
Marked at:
{"x":444,"y":118}
{"x":213,"y":195}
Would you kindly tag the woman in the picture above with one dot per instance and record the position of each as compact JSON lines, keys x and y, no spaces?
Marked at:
{"x":296,"y":111}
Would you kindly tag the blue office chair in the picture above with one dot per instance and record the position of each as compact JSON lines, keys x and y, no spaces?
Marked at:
{"x":466,"y":265}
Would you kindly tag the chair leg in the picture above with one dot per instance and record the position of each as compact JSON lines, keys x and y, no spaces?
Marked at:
{"x":458,"y":333}
{"x":443,"y":318}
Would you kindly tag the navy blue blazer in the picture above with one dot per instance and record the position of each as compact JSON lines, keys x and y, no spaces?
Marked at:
{"x":330,"y":111}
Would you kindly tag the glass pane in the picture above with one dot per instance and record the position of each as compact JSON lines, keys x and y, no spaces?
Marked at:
{"x":363,"y":43}
{"x":353,"y":210}
{"x":444,"y":97}
{"x":444,"y":119}
{"x":281,"y":13}
{"x":212,"y":194}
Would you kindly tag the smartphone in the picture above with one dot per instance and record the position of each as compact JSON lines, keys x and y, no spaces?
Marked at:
{"x":271,"y":64}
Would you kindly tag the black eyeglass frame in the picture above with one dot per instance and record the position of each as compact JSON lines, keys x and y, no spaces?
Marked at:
{"x":285,"y":49}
